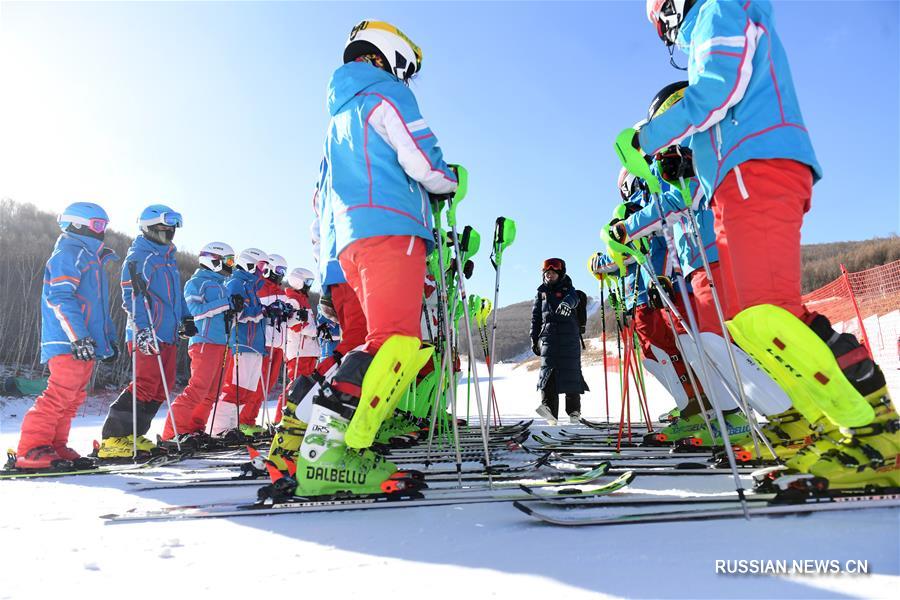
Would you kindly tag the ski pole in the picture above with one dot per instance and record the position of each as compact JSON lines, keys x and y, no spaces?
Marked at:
{"x":132,"y":270}
{"x":447,"y":361}
{"x":228,"y":329}
{"x":504,"y":236}
{"x":634,"y":162}
{"x":451,"y":221}
{"x":694,"y":229}
{"x":142,"y":287}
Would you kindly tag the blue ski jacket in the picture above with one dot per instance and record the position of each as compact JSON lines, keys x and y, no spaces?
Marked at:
{"x":251,"y":327}
{"x":381,"y":159}
{"x":207,"y":300}
{"x":324,"y":238}
{"x":647,"y":222}
{"x":75,"y":296}
{"x":740,"y":103}
{"x":156,"y":264}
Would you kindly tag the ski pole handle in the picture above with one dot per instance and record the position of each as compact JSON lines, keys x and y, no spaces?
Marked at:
{"x":462,"y":189}
{"x":138,"y":285}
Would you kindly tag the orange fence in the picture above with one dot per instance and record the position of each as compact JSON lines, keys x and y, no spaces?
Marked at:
{"x":866,"y":304}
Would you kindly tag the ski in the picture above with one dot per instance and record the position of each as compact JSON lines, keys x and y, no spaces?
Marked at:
{"x":507,"y":478}
{"x":374,"y":501}
{"x":811,"y":505}
{"x":108,"y":469}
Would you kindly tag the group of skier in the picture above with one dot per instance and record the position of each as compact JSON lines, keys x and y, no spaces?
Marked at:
{"x":235,"y":314}
{"x":719,"y":211}
{"x":737,"y":169}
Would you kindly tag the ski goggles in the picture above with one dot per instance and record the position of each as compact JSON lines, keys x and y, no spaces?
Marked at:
{"x":554,"y":264}
{"x":308,"y":282}
{"x":169,"y":219}
{"x":96,"y":225}
{"x":227,"y":260}
{"x":279,"y":270}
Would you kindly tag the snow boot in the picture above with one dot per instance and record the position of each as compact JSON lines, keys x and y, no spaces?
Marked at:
{"x":738,"y":432}
{"x":123,"y":447}
{"x":66,"y":453}
{"x":41,"y":457}
{"x":290,"y":431}
{"x":787,"y":432}
{"x":250,"y":430}
{"x":679,"y":428}
{"x":860,"y":458}
{"x":544,"y":411}
{"x":334,"y":457}
{"x":575,"y":418}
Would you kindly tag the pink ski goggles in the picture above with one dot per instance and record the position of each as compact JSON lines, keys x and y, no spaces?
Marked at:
{"x":96,"y":225}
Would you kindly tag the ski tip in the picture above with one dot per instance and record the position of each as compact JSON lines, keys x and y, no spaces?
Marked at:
{"x":628,"y":476}
{"x":522,"y":507}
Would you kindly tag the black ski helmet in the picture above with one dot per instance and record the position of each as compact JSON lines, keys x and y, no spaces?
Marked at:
{"x":665,"y":98}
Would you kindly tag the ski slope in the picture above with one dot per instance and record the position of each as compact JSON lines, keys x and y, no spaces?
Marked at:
{"x":55,"y":546}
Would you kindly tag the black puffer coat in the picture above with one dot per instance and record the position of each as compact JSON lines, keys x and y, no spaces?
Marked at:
{"x":558,"y":336}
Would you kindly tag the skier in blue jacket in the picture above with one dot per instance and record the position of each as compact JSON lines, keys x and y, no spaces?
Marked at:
{"x":76,"y":330}
{"x":755,"y":161}
{"x":212,"y":310}
{"x":244,"y":386}
{"x":382,"y":163}
{"x":158,"y":313}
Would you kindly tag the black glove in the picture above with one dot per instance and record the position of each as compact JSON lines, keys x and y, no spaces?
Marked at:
{"x":324,"y":332}
{"x":302,"y":314}
{"x":84,"y":349}
{"x":272,"y":311}
{"x":564,"y":310}
{"x":115,"y":353}
{"x":187,"y":328}
{"x":287,"y":311}
{"x":654,"y":299}
{"x":145,"y":342}
{"x":237,"y":302}
{"x":536,"y":348}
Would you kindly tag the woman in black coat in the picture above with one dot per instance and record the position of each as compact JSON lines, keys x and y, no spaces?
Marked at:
{"x":555,"y":337}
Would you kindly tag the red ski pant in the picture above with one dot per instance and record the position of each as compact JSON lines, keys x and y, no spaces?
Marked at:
{"x":388,"y":275}
{"x":702,"y":301}
{"x":244,"y":386}
{"x":653,"y":329}
{"x":758,"y":210}
{"x":191,"y":409}
{"x":49,"y":420}
{"x":350,"y":316}
{"x":149,"y":382}
{"x":303,"y":365}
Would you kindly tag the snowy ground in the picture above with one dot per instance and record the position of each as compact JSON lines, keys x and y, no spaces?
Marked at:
{"x":56,"y":546}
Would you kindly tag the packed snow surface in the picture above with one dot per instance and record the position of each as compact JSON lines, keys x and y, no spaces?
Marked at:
{"x":56,"y":546}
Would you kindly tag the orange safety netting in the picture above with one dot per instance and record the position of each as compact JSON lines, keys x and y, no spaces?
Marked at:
{"x":866,"y":304}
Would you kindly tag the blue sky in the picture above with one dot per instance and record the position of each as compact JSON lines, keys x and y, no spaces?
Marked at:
{"x":218,"y":109}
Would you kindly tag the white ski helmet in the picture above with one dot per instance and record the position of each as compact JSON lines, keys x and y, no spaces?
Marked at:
{"x":667,"y":16}
{"x":252,"y":260}
{"x":275,"y":268}
{"x":403,"y":57}
{"x":301,"y":278}
{"x":217,"y":257}
{"x":626,"y":184}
